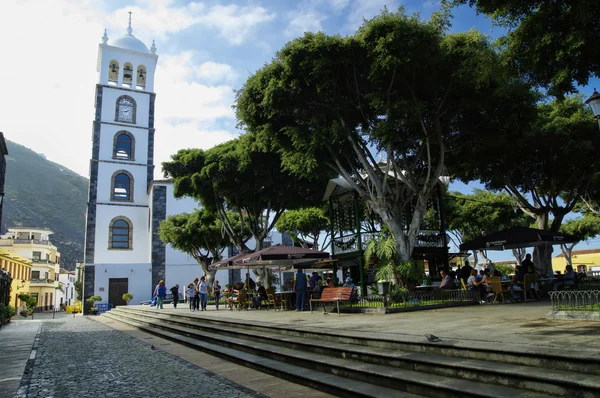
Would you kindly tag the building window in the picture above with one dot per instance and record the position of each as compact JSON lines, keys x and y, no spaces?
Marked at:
{"x":125,"y":110}
{"x":123,"y":146}
{"x":120,"y":233}
{"x":113,"y":72}
{"x":35,"y":274}
{"x":36,"y":256}
{"x":122,"y":186}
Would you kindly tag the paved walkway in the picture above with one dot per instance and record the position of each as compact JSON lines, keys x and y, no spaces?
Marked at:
{"x":17,"y":341}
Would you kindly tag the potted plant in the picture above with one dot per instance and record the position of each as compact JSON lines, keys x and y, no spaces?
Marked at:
{"x":127,"y":297}
{"x":92,"y":301}
{"x":29,"y":301}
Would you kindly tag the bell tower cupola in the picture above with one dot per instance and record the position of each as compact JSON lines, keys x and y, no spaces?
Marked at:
{"x":126,"y":62}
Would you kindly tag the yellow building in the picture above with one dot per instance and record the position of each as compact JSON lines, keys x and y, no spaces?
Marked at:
{"x":587,"y":261}
{"x":19,"y":269}
{"x":34,"y":244}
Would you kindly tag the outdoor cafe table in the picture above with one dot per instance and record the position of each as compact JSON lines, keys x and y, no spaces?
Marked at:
{"x":281,"y":295}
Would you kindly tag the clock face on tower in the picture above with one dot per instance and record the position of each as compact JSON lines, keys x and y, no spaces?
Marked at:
{"x":125,"y":111}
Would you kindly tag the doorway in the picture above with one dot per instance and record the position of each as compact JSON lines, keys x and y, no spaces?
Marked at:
{"x":116,"y":288}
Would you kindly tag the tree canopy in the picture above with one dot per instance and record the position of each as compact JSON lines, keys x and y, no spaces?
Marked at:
{"x":198,"y":234}
{"x":400,"y":87}
{"x":554,"y":43}
{"x":546,"y":165}
{"x":234,"y":177}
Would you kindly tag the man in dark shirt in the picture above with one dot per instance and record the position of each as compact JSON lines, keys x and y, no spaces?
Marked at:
{"x":175,"y":293}
{"x":300,"y":286}
{"x":250,"y":284}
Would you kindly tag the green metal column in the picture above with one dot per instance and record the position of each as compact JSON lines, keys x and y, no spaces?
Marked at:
{"x":332,"y":226}
{"x":361,"y":260}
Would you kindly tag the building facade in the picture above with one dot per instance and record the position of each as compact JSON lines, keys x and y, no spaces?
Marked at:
{"x":19,"y":269}
{"x":3,"y":153}
{"x":65,"y":293}
{"x":40,"y":277}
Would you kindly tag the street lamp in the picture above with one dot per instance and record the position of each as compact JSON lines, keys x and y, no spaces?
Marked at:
{"x":594,"y":103}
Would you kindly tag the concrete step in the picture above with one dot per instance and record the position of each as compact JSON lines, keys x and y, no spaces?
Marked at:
{"x":542,"y":380}
{"x":332,"y":384}
{"x":579,"y":362}
{"x":418,"y":382}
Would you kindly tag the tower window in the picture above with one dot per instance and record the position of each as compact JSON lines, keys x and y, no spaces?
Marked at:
{"x":127,"y":74}
{"x":124,"y":146}
{"x":120,"y":233}
{"x":122,"y":186}
{"x":125,"y":111}
{"x":141,"y":78}
{"x":113,"y":72}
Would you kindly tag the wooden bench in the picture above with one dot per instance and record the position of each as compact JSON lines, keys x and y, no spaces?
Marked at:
{"x":333,"y":294}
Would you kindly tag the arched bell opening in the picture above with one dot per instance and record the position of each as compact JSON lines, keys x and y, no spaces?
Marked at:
{"x":113,"y":72}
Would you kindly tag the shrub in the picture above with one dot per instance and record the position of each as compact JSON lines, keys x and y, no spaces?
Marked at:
{"x":127,"y":297}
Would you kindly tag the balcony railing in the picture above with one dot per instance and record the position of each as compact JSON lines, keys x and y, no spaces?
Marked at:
{"x":31,"y":242}
{"x":42,"y":280}
{"x":40,"y":261}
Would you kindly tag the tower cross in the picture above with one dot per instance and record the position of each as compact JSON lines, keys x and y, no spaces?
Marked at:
{"x":129,"y":30}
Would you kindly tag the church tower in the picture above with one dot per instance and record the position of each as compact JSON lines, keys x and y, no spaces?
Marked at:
{"x":118,"y":223}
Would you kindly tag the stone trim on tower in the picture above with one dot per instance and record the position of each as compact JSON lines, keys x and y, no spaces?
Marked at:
{"x":150,"y":171}
{"x":159,"y":252}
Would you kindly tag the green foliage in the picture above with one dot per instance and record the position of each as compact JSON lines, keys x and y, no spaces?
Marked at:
{"x":554,"y":43}
{"x":401,"y":86}
{"x":304,"y":225}
{"x":504,"y":269}
{"x":92,"y":300}
{"x":29,"y":301}
{"x":127,"y":297}
{"x":240,"y":176}
{"x":398,"y":294}
{"x":6,"y":312}
{"x":481,"y":213}
{"x":44,"y":194}
{"x":199,"y":234}
{"x":79,"y":289}
{"x":584,"y":227}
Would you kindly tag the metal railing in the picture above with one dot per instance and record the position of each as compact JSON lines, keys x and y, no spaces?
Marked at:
{"x":40,"y":261}
{"x":575,"y":300}
{"x":41,"y":280}
{"x":413,"y":299}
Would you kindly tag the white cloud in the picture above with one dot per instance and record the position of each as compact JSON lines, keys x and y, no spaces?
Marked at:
{"x":234,"y":23}
{"x":304,"y":20}
{"x":48,"y":80}
{"x":212,"y":72}
{"x":337,"y":5}
{"x":367,"y":9}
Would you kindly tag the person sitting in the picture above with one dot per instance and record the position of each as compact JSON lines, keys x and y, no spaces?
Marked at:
{"x":234,"y":298}
{"x":446,"y":280}
{"x":474,"y":285}
{"x":568,"y":278}
{"x":317,"y":291}
{"x":250,"y":284}
{"x":329,"y":282}
{"x":261,"y":294}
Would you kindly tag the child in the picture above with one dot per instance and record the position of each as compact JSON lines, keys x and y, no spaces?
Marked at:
{"x":190,"y":293}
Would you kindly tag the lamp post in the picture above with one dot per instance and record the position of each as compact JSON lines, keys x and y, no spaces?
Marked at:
{"x":594,"y":103}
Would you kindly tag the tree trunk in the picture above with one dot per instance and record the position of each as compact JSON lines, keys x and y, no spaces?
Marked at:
{"x":542,"y":255}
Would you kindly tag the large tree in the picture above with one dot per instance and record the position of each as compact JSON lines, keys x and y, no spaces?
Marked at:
{"x":554,"y":43}
{"x":471,"y":216}
{"x":199,"y":234}
{"x":401,"y":87}
{"x":235,"y":177}
{"x":584,"y":227}
{"x":546,"y":165}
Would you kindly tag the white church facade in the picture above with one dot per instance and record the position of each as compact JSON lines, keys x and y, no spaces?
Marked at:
{"x":123,"y":251}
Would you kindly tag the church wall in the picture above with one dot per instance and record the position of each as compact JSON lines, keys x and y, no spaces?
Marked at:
{"x":138,"y":275}
{"x":122,"y":56}
{"x":140,"y":246}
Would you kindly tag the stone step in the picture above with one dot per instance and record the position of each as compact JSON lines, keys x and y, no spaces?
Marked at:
{"x":332,"y":384}
{"x":391,"y":377}
{"x":580,"y":362}
{"x":542,"y":380}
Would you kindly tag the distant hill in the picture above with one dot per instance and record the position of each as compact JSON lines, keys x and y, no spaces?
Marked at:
{"x":41,"y":193}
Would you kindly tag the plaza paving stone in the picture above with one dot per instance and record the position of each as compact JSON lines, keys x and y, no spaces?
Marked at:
{"x":78,"y":357}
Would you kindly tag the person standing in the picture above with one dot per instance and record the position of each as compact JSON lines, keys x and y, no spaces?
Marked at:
{"x":300,"y":286}
{"x":250,"y":284}
{"x":217,"y":293}
{"x":191,"y":292}
{"x":175,"y":293}
{"x":196,"y":295}
{"x":203,"y":292}
{"x":161,"y":293}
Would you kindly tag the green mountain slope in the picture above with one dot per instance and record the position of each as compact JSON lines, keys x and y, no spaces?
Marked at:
{"x":40,"y":193}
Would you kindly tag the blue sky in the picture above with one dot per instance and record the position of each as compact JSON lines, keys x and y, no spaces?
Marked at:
{"x":206,"y":51}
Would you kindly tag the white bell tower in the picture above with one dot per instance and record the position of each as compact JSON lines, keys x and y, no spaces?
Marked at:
{"x":118,"y":234}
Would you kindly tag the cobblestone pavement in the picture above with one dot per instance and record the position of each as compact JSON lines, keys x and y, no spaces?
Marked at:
{"x":77,"y":357}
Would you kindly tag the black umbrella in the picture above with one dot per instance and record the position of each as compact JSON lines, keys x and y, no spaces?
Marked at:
{"x":516,"y":237}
